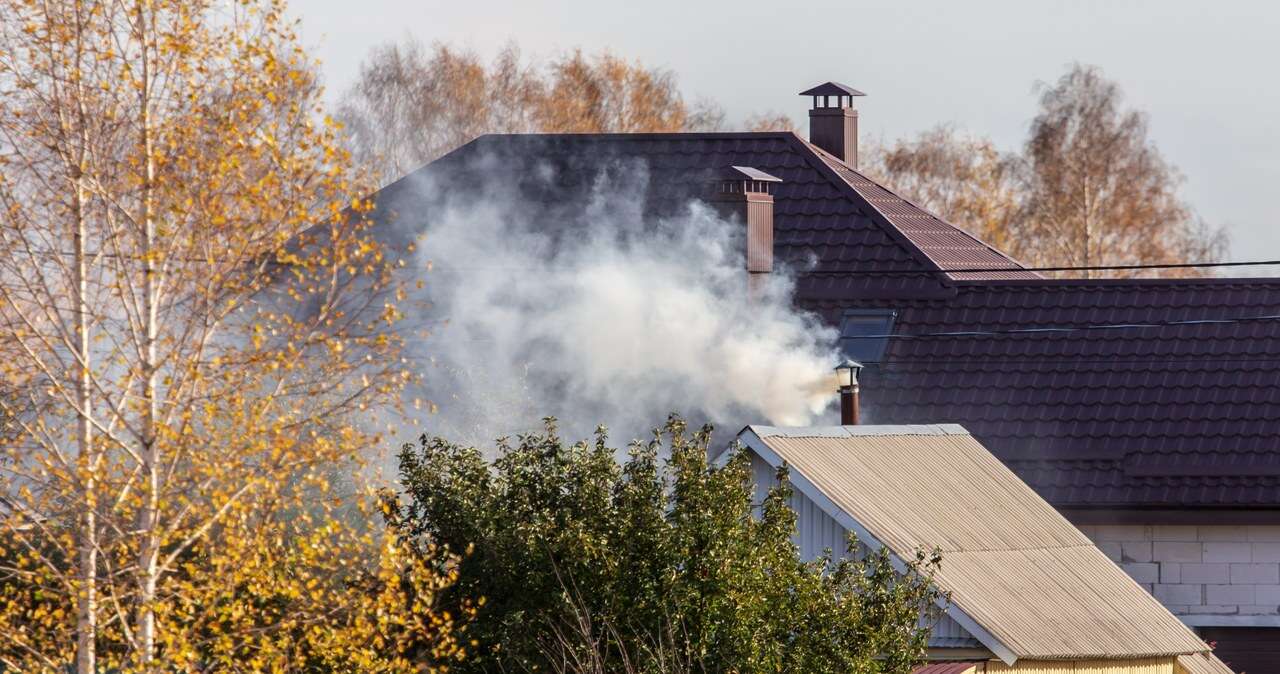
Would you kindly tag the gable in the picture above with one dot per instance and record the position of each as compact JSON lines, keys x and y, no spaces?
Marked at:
{"x":1023,"y":581}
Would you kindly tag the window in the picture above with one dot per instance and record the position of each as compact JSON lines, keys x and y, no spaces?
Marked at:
{"x":858,"y":333}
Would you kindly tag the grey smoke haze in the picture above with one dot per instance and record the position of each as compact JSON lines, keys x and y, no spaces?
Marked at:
{"x":595,"y":312}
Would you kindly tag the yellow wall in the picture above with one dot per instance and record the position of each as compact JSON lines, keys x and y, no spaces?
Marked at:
{"x":1146,"y":666}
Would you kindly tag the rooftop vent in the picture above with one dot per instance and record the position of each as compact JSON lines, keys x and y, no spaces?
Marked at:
{"x":746,"y":194}
{"x":834,"y":128}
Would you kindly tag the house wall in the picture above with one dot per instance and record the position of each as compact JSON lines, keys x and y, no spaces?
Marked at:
{"x":1145,"y":666}
{"x":1206,"y":575}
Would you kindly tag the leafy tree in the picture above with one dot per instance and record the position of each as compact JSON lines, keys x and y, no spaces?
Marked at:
{"x":588,"y":564}
{"x":193,"y":319}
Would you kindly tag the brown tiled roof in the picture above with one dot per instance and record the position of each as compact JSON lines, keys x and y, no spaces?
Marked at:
{"x":1012,"y":564}
{"x":1175,"y":416}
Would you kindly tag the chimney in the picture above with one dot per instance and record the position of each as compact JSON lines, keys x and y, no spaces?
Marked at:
{"x":746,"y":194}
{"x":834,"y":128}
{"x":847,"y":383}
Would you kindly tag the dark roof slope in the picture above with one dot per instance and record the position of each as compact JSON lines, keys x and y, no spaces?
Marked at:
{"x":827,"y":217}
{"x":1173,"y":416}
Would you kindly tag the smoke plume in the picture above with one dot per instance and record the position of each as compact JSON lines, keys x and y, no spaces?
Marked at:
{"x":598,"y":311}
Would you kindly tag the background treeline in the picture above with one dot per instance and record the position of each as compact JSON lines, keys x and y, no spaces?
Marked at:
{"x":1088,"y":188}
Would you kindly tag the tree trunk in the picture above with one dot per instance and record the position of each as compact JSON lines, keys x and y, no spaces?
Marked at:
{"x":149,"y":525}
{"x":87,"y":455}
{"x":87,"y":602}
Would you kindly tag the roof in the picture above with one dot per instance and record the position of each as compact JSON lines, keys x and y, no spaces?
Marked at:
{"x":1169,"y":416}
{"x":1174,"y":417}
{"x":823,"y":221}
{"x":749,"y":173}
{"x":1034,"y":585}
{"x":946,"y":245}
{"x":958,"y":667}
{"x":832,"y":89}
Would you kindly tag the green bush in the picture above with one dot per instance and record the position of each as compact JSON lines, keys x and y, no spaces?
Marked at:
{"x":661,"y":563}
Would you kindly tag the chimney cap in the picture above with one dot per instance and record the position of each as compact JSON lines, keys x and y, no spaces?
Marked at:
{"x":832,"y":89}
{"x":847,"y":373}
{"x":748,"y":173}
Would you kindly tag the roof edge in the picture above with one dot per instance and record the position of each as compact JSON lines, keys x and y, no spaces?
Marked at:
{"x":1018,"y":264}
{"x":813,"y":154}
{"x":1120,"y":282}
{"x":887,"y":430}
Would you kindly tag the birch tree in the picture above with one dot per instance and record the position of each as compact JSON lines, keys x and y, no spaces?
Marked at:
{"x":1098,"y":190}
{"x":1089,"y":188}
{"x":192,"y":315}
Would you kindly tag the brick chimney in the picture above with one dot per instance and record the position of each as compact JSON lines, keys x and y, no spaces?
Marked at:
{"x":746,"y":194}
{"x":834,"y":128}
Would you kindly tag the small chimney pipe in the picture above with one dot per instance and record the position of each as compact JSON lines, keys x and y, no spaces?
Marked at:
{"x":849,"y":411}
{"x":847,"y":381}
{"x":746,"y":194}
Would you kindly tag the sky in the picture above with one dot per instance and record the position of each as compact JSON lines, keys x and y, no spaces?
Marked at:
{"x":1204,"y":72}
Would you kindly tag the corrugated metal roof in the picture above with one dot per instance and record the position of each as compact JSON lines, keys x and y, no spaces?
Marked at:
{"x":949,"y":668}
{"x":1011,"y":562}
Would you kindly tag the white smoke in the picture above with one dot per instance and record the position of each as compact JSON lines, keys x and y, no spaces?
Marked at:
{"x":602,"y":315}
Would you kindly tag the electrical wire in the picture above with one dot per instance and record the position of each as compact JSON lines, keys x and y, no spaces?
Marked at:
{"x":1068,"y":329}
{"x":990,"y":270}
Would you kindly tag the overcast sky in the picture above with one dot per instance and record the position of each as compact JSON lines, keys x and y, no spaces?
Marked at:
{"x":1204,"y":71}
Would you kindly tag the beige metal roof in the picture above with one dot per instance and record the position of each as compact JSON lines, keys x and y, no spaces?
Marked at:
{"x":1013,"y":564}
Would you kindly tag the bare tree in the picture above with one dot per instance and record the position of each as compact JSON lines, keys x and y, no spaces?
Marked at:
{"x":771,"y":121}
{"x":1098,"y":190}
{"x":412,"y":104}
{"x":962,"y":178}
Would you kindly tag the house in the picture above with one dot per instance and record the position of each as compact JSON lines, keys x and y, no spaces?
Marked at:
{"x":1028,"y":591}
{"x":1146,"y":411}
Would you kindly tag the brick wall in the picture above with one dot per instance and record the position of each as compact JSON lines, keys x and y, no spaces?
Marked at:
{"x":1206,"y":574}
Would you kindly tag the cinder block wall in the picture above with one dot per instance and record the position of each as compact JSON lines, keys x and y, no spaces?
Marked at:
{"x":1206,"y":574}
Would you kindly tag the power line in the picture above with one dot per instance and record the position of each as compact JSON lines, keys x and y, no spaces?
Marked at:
{"x":988,"y":270}
{"x":1068,"y":329}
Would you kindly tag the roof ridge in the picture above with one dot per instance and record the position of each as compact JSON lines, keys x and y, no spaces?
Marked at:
{"x":882,"y":220}
{"x":650,"y":135}
{"x":830,"y":158}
